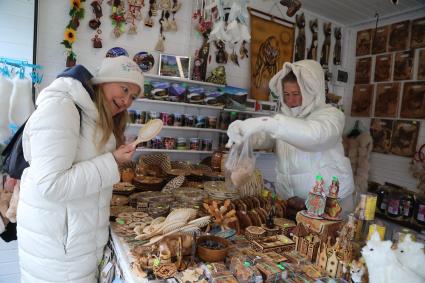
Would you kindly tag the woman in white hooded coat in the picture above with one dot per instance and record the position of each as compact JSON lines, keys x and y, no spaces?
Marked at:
{"x":306,"y":134}
{"x":73,"y":143}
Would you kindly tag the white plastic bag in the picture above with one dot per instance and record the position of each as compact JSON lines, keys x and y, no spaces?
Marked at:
{"x":240,"y":165}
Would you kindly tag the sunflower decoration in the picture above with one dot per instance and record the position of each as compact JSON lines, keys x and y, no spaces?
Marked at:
{"x":77,"y":13}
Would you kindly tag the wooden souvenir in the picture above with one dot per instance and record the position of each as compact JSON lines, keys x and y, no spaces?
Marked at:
{"x":322,"y":227}
{"x":417,"y":39}
{"x":337,"y":46}
{"x":286,"y":226}
{"x":364,"y":41}
{"x":362,"y":100}
{"x":387,"y":100}
{"x":270,"y":271}
{"x":262,"y":215}
{"x":363,"y":70}
{"x":316,"y":199}
{"x":255,"y":218}
{"x":272,"y":44}
{"x":413,"y":101}
{"x":405,"y":137}
{"x":381,"y":132}
{"x":380,"y":39}
{"x":278,"y":243}
{"x":294,"y":257}
{"x":383,"y":70}
{"x":244,"y":219}
{"x":254,"y":232}
{"x":403,"y":65}
{"x":399,"y":36}
{"x":275,"y":257}
{"x":300,"y":41}
{"x":326,"y":47}
{"x":421,"y":65}
{"x":312,"y":51}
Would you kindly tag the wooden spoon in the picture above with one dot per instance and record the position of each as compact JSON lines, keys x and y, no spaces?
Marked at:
{"x":148,"y":131}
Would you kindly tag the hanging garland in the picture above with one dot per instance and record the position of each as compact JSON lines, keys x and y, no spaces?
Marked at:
{"x":76,"y":13}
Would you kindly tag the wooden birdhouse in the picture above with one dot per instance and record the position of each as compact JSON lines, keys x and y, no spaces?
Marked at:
{"x":298,"y":234}
{"x":332,"y":264}
{"x":313,"y":249}
{"x":322,"y":258}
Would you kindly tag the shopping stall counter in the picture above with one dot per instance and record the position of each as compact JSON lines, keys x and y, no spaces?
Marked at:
{"x":124,"y":258}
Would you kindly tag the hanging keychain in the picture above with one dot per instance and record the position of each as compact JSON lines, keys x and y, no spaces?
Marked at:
{"x":160,"y":43}
{"x":134,"y":13}
{"x":149,"y":20}
{"x":95,"y":23}
{"x":118,"y":17}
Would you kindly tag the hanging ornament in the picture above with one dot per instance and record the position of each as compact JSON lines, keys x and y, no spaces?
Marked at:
{"x":95,"y":23}
{"x":176,"y":7}
{"x":118,"y":17}
{"x":76,"y":13}
{"x":221,"y":54}
{"x":133,"y":13}
{"x":243,"y":51}
{"x":152,"y":8}
{"x":165,"y":21}
{"x":160,"y":44}
{"x":164,"y":4}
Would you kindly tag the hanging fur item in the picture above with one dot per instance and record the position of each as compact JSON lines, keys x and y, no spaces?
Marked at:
{"x":358,"y":150}
{"x":159,"y":46}
{"x":21,"y":104}
{"x":6,"y":87}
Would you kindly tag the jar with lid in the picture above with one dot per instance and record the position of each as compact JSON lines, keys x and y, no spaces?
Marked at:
{"x":394,"y":208}
{"x":382,"y":201}
{"x":419,"y":210}
{"x":407,"y":204}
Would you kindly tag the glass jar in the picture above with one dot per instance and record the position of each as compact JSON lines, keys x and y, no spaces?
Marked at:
{"x":394,"y":208}
{"x":407,"y":204}
{"x":382,"y":201}
{"x":419,"y":210}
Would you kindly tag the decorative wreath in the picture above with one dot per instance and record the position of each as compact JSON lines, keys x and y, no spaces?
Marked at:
{"x":76,"y":13}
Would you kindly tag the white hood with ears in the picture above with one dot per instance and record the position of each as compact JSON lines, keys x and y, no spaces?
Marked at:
{"x":311,"y":79}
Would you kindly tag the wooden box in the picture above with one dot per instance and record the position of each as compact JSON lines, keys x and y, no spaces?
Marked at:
{"x":322,"y":227}
{"x":270,"y":271}
{"x":286,"y":226}
{"x":278,"y":243}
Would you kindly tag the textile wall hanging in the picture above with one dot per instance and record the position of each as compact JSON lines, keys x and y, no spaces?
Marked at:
{"x":387,"y":99}
{"x":404,"y":138}
{"x":363,"y":67}
{"x":398,"y":36}
{"x":362,"y":100}
{"x":381,"y":131}
{"x":417,"y":39}
{"x":364,"y":40}
{"x":272,"y":44}
{"x":383,"y":67}
{"x":413,"y":102}
{"x":403,"y":65}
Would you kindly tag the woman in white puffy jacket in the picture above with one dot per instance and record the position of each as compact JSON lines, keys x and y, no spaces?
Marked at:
{"x":306,"y":133}
{"x":73,"y":142}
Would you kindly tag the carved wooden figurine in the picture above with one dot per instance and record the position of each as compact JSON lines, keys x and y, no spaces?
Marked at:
{"x":300,"y":42}
{"x":337,"y":48}
{"x":312,"y":52}
{"x":324,"y":58}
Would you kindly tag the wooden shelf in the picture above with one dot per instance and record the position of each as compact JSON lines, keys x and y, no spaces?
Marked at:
{"x":184,"y":128}
{"x":158,"y":77}
{"x":140,"y":149}
{"x":416,"y":227}
{"x":178,"y":103}
{"x":249,"y":112}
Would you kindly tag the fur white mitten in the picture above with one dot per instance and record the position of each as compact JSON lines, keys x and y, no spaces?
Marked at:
{"x":6,"y":87}
{"x":21,"y":104}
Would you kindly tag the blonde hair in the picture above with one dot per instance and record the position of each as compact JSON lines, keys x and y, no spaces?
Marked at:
{"x":107,"y":123}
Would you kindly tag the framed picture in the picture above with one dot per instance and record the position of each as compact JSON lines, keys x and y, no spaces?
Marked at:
{"x":405,"y":138}
{"x":272,"y":44}
{"x":383,"y":68}
{"x":387,"y":99}
{"x":413,"y":102}
{"x":403,"y":65}
{"x":174,"y":66}
{"x":421,"y":65}
{"x":362,"y":100}
{"x":381,"y":131}
{"x":363,"y":67}
{"x":399,"y":36}
{"x":364,"y":39}
{"x":380,"y":39}
{"x":417,"y":39}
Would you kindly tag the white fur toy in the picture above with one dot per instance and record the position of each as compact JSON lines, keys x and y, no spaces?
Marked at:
{"x":21,"y":104}
{"x":383,"y":265}
{"x":6,"y":87}
{"x":411,"y":255}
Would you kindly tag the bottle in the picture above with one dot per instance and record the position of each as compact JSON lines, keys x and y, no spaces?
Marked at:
{"x":271,"y":214}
